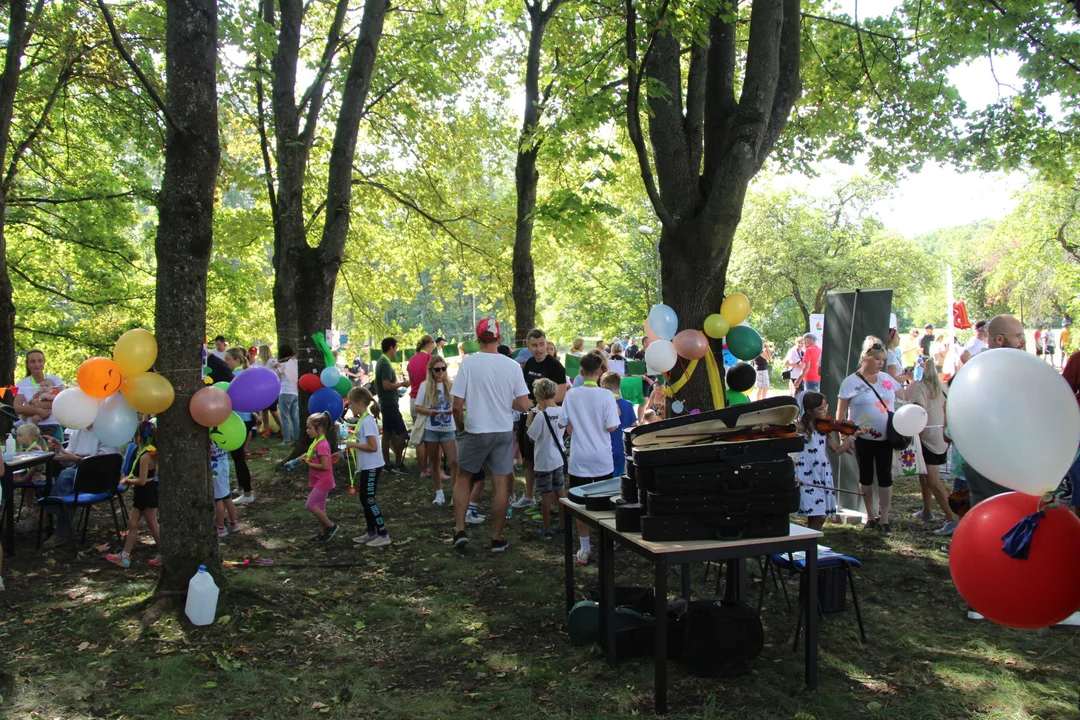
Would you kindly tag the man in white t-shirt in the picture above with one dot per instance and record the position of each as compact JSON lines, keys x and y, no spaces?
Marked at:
{"x":220,"y":346}
{"x":590,"y":415}
{"x":81,"y":445}
{"x":489,"y":387}
{"x":977,"y":344}
{"x":793,"y":362}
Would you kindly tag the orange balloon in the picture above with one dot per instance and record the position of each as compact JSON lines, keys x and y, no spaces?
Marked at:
{"x":653,"y":337}
{"x":99,"y":377}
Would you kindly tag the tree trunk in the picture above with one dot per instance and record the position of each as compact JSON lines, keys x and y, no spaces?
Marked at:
{"x":526,"y":176}
{"x":184,"y":241}
{"x":9,"y":85}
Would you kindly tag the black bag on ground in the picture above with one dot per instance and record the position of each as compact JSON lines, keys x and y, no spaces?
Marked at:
{"x":719,"y":638}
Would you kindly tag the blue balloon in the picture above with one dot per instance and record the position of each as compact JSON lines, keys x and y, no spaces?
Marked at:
{"x":664,"y":321}
{"x":116,"y":421}
{"x":328,"y":401}
{"x":330,"y":376}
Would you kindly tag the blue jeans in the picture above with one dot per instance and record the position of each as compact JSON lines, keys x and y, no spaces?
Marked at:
{"x":812,"y":385}
{"x":289,"y":407}
{"x":63,"y":485}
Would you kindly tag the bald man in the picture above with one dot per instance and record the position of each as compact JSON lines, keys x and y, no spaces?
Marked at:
{"x":1005,"y":331}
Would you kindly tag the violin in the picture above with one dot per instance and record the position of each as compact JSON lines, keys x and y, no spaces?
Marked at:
{"x":844,"y":427}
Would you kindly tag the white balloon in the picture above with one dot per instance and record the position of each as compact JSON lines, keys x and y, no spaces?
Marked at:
{"x":910,"y":420}
{"x":661,"y":356}
{"x":116,"y":421}
{"x":75,"y":409}
{"x":1014,"y":419}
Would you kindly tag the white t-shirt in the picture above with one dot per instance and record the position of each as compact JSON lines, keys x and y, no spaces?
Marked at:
{"x":489,"y":383}
{"x":286,"y":371}
{"x":546,"y":454}
{"x":975,"y":347}
{"x":865,"y":410}
{"x":365,"y":429}
{"x":85,"y":443}
{"x":893,"y":360}
{"x":795,"y":358}
{"x":219,"y":353}
{"x":442,"y":402}
{"x":29,"y":389}
{"x":591,"y":412}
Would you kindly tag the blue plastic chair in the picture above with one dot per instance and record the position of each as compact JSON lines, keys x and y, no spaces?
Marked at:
{"x":785,"y":561}
{"x":95,"y":482}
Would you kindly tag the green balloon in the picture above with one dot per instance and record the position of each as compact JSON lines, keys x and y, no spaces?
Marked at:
{"x":221,"y":385}
{"x":736,"y":398}
{"x":229,"y":435}
{"x":744,"y":342}
{"x":344,"y":385}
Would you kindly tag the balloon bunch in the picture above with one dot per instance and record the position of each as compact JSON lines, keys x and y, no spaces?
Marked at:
{"x":217,"y":407}
{"x":667,"y":344}
{"x":110,"y":393}
{"x":1015,"y":558}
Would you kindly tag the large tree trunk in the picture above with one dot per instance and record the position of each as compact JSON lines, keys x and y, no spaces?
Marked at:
{"x":706,"y":153}
{"x":184,"y":240}
{"x":526,"y":175}
{"x":9,"y":85}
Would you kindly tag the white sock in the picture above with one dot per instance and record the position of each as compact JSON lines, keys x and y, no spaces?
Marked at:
{"x":585,"y":544}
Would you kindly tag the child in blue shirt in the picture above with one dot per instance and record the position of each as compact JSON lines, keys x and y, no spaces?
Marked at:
{"x":627,"y":418}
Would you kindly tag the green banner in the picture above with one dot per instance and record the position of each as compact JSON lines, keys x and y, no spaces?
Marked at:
{"x":573,"y":367}
{"x":631,"y":389}
{"x":636,"y":367}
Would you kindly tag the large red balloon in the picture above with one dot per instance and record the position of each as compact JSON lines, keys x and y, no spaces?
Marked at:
{"x":1037,"y":592}
{"x":310,"y":382}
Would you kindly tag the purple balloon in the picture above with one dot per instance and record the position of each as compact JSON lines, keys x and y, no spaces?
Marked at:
{"x":254,"y":389}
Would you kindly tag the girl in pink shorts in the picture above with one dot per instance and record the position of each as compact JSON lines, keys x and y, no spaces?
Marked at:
{"x":320,"y":475}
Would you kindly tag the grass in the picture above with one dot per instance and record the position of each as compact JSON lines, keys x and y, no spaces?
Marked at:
{"x":419,"y":630}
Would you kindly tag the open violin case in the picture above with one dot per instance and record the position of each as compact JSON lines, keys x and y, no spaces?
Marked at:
{"x":723,"y":474}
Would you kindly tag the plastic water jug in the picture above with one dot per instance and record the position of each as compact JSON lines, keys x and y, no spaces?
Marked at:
{"x":202,"y":595}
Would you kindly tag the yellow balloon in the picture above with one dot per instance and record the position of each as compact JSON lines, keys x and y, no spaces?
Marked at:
{"x":148,"y":393}
{"x":735,"y":309}
{"x":716,"y":326}
{"x":135,"y":352}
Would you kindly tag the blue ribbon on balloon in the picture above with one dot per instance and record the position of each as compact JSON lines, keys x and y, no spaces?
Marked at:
{"x":1018,"y":539}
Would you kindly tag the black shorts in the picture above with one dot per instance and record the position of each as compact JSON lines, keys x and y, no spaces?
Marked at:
{"x":145,"y":497}
{"x":525,"y":443}
{"x":393,"y":423}
{"x":574,"y":481}
{"x":932,"y":458}
{"x":1038,"y":351}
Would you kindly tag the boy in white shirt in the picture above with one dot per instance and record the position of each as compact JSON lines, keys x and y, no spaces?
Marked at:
{"x":589,"y":414}
{"x":548,"y":459}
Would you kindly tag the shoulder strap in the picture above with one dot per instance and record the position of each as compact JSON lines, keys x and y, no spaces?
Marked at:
{"x":547,"y":421}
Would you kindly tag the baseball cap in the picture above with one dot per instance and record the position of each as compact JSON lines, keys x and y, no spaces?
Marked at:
{"x":253,"y":350}
{"x":440,"y":339}
{"x":488,"y":330}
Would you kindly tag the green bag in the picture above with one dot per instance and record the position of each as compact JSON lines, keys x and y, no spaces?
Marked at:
{"x":631,"y":388}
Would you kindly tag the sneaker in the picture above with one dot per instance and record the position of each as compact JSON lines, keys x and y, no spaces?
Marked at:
{"x":402,"y":469}
{"x":884,"y":529}
{"x":317,"y":538}
{"x":972,"y":615}
{"x":381,"y":541}
{"x":234,"y":528}
{"x":948,"y":528}
{"x":556,"y":530}
{"x":460,"y":539}
{"x":1071,"y":621}
{"x":222,"y":532}
{"x":925,"y":517}
{"x":523,"y":502}
{"x":154,"y":561}
{"x":425,"y":473}
{"x":56,"y":540}
{"x":474,"y":518}
{"x":498,"y":546}
{"x":582,"y":557}
{"x":440,"y":499}
{"x":396,"y":469}
{"x":871,"y":524}
{"x":330,"y":531}
{"x":544,"y":534}
{"x":244,"y":499}
{"x":117,"y":559}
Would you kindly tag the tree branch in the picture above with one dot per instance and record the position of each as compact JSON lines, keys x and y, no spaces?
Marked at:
{"x":118,"y":42}
{"x":65,"y":336}
{"x":314,"y":93}
{"x":64,"y":201}
{"x":720,"y":105}
{"x":53,"y":291}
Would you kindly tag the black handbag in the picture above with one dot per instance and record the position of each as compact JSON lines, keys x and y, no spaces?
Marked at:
{"x":895,"y":440}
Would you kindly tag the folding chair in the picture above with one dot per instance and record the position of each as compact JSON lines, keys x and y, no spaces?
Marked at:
{"x":828,"y":561}
{"x":96,"y":481}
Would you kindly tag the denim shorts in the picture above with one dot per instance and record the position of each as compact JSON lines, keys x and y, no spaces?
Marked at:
{"x":438,"y":436}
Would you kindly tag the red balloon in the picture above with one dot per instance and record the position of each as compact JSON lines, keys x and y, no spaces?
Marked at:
{"x":1037,"y":592}
{"x":310,"y":382}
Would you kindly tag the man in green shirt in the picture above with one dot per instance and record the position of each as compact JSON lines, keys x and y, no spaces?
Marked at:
{"x":386,"y":386}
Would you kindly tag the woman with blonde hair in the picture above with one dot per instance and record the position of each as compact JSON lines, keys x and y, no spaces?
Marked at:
{"x":867,"y":396}
{"x":264,"y":359}
{"x":578,"y":347}
{"x":433,"y":402}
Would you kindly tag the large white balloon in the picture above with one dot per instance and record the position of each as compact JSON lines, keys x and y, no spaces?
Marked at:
{"x":1014,"y":419}
{"x":661,"y":356}
{"x":75,"y":409}
{"x":910,"y":420}
{"x":116,"y":422}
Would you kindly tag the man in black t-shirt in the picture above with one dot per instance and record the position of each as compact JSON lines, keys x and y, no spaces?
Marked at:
{"x":540,"y":365}
{"x":927,"y":340}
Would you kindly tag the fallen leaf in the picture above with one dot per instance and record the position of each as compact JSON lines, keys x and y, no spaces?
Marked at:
{"x":318,"y":706}
{"x":101,"y":548}
{"x":470,"y":641}
{"x":82,"y":646}
{"x":209,"y":684}
{"x":224,"y":619}
{"x":186,"y":709}
{"x":359,"y":625}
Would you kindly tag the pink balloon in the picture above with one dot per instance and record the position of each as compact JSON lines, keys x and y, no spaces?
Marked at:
{"x":653,"y":337}
{"x":691,"y":344}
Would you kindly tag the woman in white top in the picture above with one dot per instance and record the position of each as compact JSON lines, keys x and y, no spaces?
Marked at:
{"x":434,"y":402}
{"x":35,"y":395}
{"x":265,"y":360}
{"x":867,"y":397}
{"x":617,"y":361}
{"x":288,"y":398}
{"x":929,"y":394}
{"x":893,"y":362}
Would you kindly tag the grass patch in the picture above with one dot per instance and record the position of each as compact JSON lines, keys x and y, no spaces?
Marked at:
{"x":420,"y":631}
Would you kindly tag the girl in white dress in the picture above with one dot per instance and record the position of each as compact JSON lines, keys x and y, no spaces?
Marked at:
{"x":812,"y":467}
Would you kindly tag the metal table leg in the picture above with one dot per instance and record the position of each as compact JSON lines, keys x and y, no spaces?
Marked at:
{"x":607,"y":595}
{"x":811,"y":615}
{"x":660,"y":659}
{"x":568,"y":555}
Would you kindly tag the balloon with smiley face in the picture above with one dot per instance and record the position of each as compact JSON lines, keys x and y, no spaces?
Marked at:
{"x":230,"y":434}
{"x":99,"y":377}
